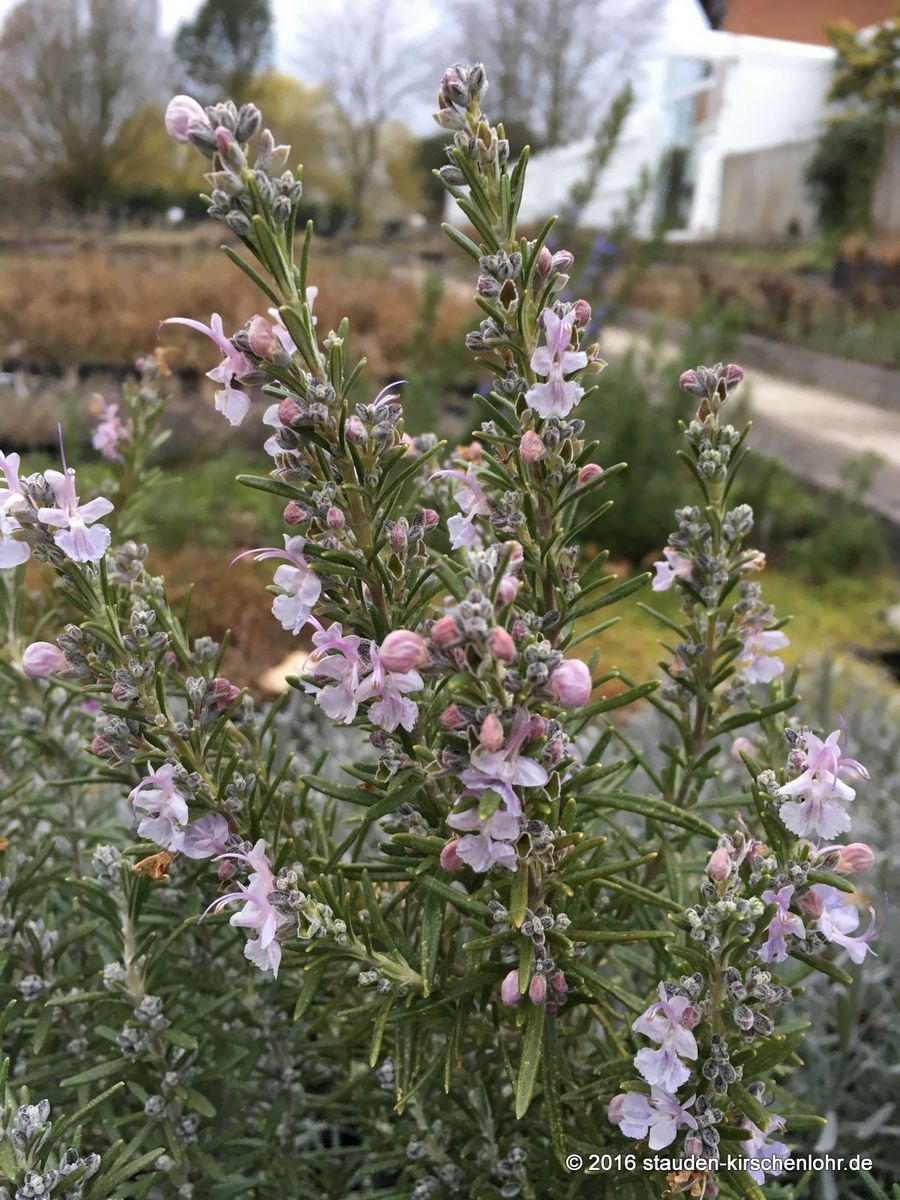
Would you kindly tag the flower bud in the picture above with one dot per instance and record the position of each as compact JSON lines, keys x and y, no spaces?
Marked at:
{"x":402,"y":650}
{"x":509,"y":989}
{"x":335,"y":518}
{"x":741,"y":745}
{"x":559,"y":984}
{"x":43,"y":659}
{"x":508,"y":589}
{"x":854,"y":859}
{"x":261,"y":337}
{"x":733,"y":376}
{"x":452,"y":718}
{"x":288,"y":411}
{"x":491,"y":735}
{"x":501,"y":645}
{"x":530,"y":446}
{"x":537,"y":727}
{"x":544,"y":261}
{"x":570,"y":683}
{"x":450,"y":860}
{"x":589,"y":472}
{"x":221,"y":693}
{"x":563,"y":260}
{"x":581,"y":312}
{"x":689,"y":381}
{"x":293,"y":514}
{"x":812,"y":904}
{"x":356,"y":431}
{"x":180,"y":111}
{"x":430,"y":519}
{"x":444,"y":632}
{"x":719,"y":865}
{"x":537,"y":989}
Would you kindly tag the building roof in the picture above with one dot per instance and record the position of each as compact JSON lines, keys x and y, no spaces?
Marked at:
{"x":802,"y":20}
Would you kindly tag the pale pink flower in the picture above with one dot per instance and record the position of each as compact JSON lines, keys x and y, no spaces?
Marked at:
{"x":818,"y":810}
{"x":43,"y":659}
{"x":669,"y":1023}
{"x":501,"y":645}
{"x":760,"y":1147}
{"x":783,"y":924}
{"x":491,"y":842}
{"x":840,"y":917}
{"x":335,"y":657}
{"x":403,"y":650}
{"x":660,"y":1115}
{"x":530,"y":446}
{"x":390,"y":690}
{"x":180,"y":112}
{"x":165,"y":809}
{"x":537,"y":989}
{"x":450,"y":860}
{"x":110,"y":432}
{"x":756,"y":657}
{"x":12,"y":499}
{"x":445,"y":632}
{"x":506,"y":769}
{"x":852,"y":859}
{"x":571,"y":683}
{"x":71,"y":519}
{"x":300,"y":585}
{"x":719,"y":866}
{"x":471,"y":499}
{"x":490,"y":736}
{"x":206,"y":836}
{"x":509,"y":989}
{"x":557,"y":397}
{"x":230,"y":401}
{"x":673,"y":565}
{"x":258,"y":915}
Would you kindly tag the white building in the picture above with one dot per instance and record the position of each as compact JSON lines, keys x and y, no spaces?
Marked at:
{"x":703,"y":96}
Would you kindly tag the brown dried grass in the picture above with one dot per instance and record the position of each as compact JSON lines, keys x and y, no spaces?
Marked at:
{"x":102,"y":305}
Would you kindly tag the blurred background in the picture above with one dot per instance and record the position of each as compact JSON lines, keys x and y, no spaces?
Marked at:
{"x":728,"y":176}
{"x":726,"y":173}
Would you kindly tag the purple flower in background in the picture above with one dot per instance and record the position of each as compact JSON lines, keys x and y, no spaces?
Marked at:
{"x":821,"y":794}
{"x":257,"y":915}
{"x":669,"y":1023}
{"x":491,"y":842}
{"x":165,"y":809}
{"x":72,"y":519}
{"x":206,"y":836}
{"x":660,"y":1115}
{"x":110,"y":432}
{"x":756,"y":659}
{"x":838,"y":919}
{"x":670,"y":567}
{"x":301,"y":586}
{"x":471,"y":499}
{"x":774,"y":949}
{"x":230,"y":401}
{"x":505,"y":769}
{"x":557,"y":397}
